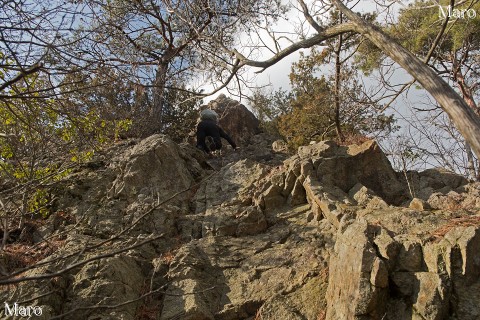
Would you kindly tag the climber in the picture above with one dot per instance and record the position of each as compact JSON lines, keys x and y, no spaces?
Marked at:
{"x":208,"y":131}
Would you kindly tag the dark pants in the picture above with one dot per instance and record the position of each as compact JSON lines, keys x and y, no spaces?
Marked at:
{"x":207,"y":129}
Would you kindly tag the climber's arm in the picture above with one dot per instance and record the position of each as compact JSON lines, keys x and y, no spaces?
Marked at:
{"x":225,"y":136}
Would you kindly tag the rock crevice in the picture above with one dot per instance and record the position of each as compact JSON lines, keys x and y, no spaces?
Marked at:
{"x":331,"y":232}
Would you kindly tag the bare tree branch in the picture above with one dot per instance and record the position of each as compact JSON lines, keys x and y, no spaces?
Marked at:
{"x":307,"y":43}
{"x":22,"y":75}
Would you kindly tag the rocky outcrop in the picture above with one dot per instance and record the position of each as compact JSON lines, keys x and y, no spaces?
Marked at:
{"x":332,"y":179}
{"x":243,"y":253}
{"x":154,"y":230}
{"x":123,"y":208}
{"x":403,"y":276}
{"x":239,"y":122}
{"x":236,"y":277}
{"x":358,"y":282}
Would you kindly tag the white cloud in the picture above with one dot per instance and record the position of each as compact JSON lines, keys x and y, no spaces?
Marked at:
{"x":277,"y":76}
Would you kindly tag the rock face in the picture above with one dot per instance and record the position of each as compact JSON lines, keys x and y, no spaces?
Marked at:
{"x":239,"y":122}
{"x":403,"y":276}
{"x":153,"y":232}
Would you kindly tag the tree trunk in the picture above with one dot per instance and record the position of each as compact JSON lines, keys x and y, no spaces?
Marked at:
{"x":470,"y":162}
{"x":338,"y":69}
{"x":4,"y":225}
{"x":156,"y":120}
{"x":466,"y":91}
{"x":468,"y":97}
{"x":466,"y":121}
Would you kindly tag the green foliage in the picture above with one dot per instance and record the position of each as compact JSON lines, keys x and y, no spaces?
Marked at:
{"x":38,"y":203}
{"x":181,"y":113}
{"x":455,"y":56}
{"x":121,"y":126}
{"x":103,"y":106}
{"x":368,"y":57}
{"x":115,"y":107}
{"x":312,"y":107}
{"x":42,"y":137}
{"x":312,"y":115}
{"x":269,"y":106}
{"x":420,"y":23}
{"x":307,"y":112}
{"x":418,"y":26}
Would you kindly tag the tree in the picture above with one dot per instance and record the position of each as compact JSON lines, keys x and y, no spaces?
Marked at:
{"x":154,"y":46}
{"x":464,"y":118}
{"x":311,"y":115}
{"x":182,"y":109}
{"x":322,"y":109}
{"x":455,"y":58}
{"x":161,"y":44}
{"x":317,"y":108}
{"x":34,"y":37}
{"x":41,"y":136}
{"x":450,"y":47}
{"x":30,"y":157}
{"x":73,"y":74}
{"x":268,"y":106}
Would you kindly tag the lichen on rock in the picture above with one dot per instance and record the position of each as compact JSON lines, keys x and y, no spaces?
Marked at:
{"x":331,"y":232}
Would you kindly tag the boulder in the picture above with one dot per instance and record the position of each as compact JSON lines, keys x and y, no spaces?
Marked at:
{"x":376,"y":276}
{"x":152,"y":229}
{"x":239,"y":122}
{"x":358,"y":279}
{"x":147,"y":166}
{"x":366,"y":198}
{"x":419,"y":204}
{"x":326,"y":200}
{"x":115,"y":279}
{"x":279,"y":146}
{"x":365,"y":164}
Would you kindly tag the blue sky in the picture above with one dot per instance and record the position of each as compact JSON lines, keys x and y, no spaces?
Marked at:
{"x":277,"y":77}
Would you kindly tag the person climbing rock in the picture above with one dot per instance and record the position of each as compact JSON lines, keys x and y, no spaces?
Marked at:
{"x":209,"y":133}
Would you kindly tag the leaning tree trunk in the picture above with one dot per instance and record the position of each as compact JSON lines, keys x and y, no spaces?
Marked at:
{"x":466,"y":121}
{"x":468,"y":97}
{"x":472,"y":172}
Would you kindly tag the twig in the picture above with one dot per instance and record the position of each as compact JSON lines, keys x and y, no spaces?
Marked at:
{"x":21,"y":75}
{"x":78,"y":264}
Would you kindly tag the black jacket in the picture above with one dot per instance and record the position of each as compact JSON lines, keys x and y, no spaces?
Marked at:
{"x":210,"y":128}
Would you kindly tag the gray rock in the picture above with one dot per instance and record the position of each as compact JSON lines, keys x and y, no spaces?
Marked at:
{"x":418,"y":204}
{"x":279,"y":146}
{"x":432,"y":297}
{"x":356,"y":290}
{"x":239,"y":122}
{"x":410,"y":255}
{"x":321,"y":236}
{"x":145,"y":167}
